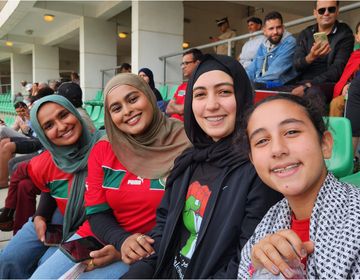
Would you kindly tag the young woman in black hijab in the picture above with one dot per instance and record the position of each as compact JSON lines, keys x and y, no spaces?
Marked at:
{"x":214,"y":198}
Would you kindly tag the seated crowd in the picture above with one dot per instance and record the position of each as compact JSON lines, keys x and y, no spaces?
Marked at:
{"x":206,"y":186}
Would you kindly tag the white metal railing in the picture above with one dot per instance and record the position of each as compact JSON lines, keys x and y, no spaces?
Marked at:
{"x":248,"y":35}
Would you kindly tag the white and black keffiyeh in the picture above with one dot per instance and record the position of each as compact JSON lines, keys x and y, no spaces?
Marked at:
{"x":334,"y":229}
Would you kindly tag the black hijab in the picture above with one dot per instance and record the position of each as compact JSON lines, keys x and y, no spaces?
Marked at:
{"x":150,"y":74}
{"x":221,"y":153}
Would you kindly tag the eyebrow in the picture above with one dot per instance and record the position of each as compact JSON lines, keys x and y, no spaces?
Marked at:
{"x":284,"y":122}
{"x":216,"y":86}
{"x":57,"y":116}
{"x":126,"y":97}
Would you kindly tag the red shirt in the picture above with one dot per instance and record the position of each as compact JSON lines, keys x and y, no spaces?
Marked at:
{"x":49,"y":178}
{"x":302,"y":229}
{"x":179,"y":98}
{"x":109,"y":185}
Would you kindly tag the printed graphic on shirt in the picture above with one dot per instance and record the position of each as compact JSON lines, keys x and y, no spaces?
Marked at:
{"x":193,"y":213}
{"x":59,"y":188}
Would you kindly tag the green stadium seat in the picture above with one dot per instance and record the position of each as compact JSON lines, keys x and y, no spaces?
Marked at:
{"x":341,"y":161}
{"x":163,"y":89}
{"x":353,"y":179}
{"x":95,"y":113}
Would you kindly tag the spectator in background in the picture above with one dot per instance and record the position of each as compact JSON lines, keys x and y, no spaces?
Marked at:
{"x":75,"y":78}
{"x":341,"y":89}
{"x":34,"y":89}
{"x":148,"y":76}
{"x":53,"y":85}
{"x":24,"y":90}
{"x":251,"y":46}
{"x":125,"y":68}
{"x":272,"y":65}
{"x":190,"y":61}
{"x":18,"y":97}
{"x":73,"y":93}
{"x":320,"y":65}
{"x":21,"y":126}
{"x":226,"y":33}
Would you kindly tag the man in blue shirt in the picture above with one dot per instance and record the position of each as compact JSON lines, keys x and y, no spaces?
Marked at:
{"x":272,"y":65}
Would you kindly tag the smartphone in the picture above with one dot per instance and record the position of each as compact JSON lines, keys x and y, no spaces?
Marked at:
{"x":321,"y":37}
{"x":53,"y":235}
{"x":79,"y":250}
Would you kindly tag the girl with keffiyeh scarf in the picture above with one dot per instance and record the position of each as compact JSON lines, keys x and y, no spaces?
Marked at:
{"x":313,"y":232}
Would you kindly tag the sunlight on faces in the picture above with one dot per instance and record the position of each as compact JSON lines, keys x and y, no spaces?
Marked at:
{"x":60,"y":126}
{"x":130,"y":109}
{"x":144,"y":76}
{"x":214,"y":104}
{"x":327,"y":19}
{"x":286,"y":149}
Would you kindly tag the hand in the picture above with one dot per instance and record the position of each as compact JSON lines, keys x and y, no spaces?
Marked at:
{"x":299,"y":91}
{"x":102,"y":257}
{"x":317,"y":50}
{"x":136,"y":247}
{"x":40,"y":227}
{"x":271,"y":251}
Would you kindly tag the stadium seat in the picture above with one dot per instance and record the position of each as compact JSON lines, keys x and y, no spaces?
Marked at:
{"x":163,"y":89}
{"x":341,"y":161}
{"x":353,"y":179}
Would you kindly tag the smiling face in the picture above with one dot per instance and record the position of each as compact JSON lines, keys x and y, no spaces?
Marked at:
{"x":286,"y":150}
{"x":326,"y":20}
{"x":214,"y":104}
{"x":130,"y":109}
{"x":274,"y":30}
{"x":60,"y":126}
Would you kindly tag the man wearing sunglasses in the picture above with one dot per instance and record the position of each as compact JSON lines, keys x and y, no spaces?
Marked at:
{"x":190,"y":60}
{"x":320,"y":64}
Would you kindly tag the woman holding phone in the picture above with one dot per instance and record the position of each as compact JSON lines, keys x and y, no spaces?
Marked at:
{"x":126,"y":180}
{"x":313,"y":233}
{"x":60,"y":173}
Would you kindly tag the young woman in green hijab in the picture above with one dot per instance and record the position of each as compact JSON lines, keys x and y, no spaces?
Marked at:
{"x":60,"y":173}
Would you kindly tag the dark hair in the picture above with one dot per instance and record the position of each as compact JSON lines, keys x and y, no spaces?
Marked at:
{"x":125,"y":66}
{"x":273,"y":15}
{"x":74,"y":76}
{"x":357,"y":28}
{"x":20,"y":104}
{"x":311,"y":107}
{"x":197,"y":54}
{"x":315,"y":3}
{"x":255,"y":20}
{"x":71,"y":91}
{"x":41,"y":93}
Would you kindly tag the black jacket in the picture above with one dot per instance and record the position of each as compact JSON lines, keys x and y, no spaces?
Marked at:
{"x":234,"y":209}
{"x":341,"y":41}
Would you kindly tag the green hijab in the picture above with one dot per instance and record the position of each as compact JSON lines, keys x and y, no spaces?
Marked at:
{"x":70,"y":159}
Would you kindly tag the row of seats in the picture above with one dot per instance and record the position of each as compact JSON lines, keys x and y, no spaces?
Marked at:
{"x":167,"y":92}
{"x":7,"y":108}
